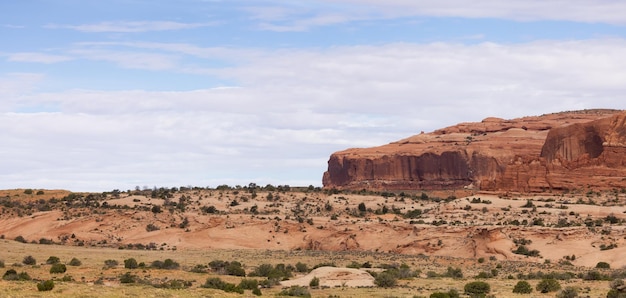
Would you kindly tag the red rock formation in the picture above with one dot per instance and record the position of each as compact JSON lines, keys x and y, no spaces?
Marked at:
{"x":566,"y":150}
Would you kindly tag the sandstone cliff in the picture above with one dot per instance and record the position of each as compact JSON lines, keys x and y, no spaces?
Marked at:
{"x":568,"y":150}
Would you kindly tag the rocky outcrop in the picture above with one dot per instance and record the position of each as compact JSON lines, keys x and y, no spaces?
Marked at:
{"x":567,"y":150}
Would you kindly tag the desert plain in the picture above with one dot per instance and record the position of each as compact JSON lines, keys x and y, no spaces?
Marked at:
{"x":437,"y":240}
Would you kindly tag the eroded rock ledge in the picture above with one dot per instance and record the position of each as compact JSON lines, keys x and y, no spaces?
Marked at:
{"x":559,"y":151}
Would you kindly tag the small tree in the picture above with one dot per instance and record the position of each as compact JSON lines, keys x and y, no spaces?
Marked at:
{"x":53,"y":260}
{"x":75,"y":262}
{"x":477,"y":288}
{"x":522,"y":287}
{"x":568,"y":292}
{"x":47,"y":285}
{"x":29,"y":260}
{"x":58,"y":268}
{"x":110,"y":263}
{"x":315,"y":282}
{"x":128,"y":278}
{"x":386,"y":280}
{"x":548,"y":285}
{"x":130,"y":263}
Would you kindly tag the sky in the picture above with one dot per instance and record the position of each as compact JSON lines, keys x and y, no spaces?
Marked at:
{"x":118,"y":94}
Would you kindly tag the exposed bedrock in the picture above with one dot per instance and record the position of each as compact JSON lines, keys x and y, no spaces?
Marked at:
{"x":567,"y":150}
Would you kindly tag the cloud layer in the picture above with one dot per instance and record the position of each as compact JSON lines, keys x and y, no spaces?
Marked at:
{"x":291,"y":109}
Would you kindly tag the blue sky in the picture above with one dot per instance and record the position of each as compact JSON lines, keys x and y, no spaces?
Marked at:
{"x":99,"y":95}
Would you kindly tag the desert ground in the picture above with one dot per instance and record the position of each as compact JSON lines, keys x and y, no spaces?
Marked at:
{"x":496,"y":238}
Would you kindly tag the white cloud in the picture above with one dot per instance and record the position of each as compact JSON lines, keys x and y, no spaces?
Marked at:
{"x":131,"y":26}
{"x":304,"y":15}
{"x":291,"y":109}
{"x":37,"y":58}
{"x":604,"y":11}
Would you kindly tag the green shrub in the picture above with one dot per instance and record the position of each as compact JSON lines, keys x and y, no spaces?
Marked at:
{"x":477,"y":288}
{"x":29,"y":260}
{"x":385,"y":280}
{"x":301,"y":267}
{"x":128,"y":278}
{"x":58,"y":268}
{"x":296,"y":291}
{"x":603,"y":265}
{"x":75,"y":262}
{"x":568,"y":292}
{"x":217,"y":283}
{"x":67,"y":278}
{"x":439,"y":295}
{"x":257,"y":292}
{"x":522,"y":287}
{"x":21,"y":239}
{"x":47,"y":285}
{"x":548,"y":285}
{"x":53,"y":260}
{"x":166,"y":264}
{"x":28,"y":191}
{"x":249,"y":284}
{"x":110,"y":263}
{"x":130,"y":263}
{"x":315,"y":282}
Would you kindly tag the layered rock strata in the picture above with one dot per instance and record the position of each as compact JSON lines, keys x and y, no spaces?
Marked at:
{"x":568,"y":150}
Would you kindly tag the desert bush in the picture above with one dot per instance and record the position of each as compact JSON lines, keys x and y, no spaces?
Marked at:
{"x":603,"y":265}
{"x":248,"y":284}
{"x":1,"y":263}
{"x":152,"y":227}
{"x":45,"y":241}
{"x":11,"y":274}
{"x":128,"y":278}
{"x":301,"y":267}
{"x":53,"y":260}
{"x":522,"y":287}
{"x":257,"y":292}
{"x":453,"y":272}
{"x":477,"y":288}
{"x":110,"y":263}
{"x":523,"y":250}
{"x":75,"y":262}
{"x":199,"y":268}
{"x":20,"y":239}
{"x":548,"y":285}
{"x":29,"y":260}
{"x":386,"y":279}
{"x":217,"y":283}
{"x":168,"y":264}
{"x":174,"y":284}
{"x":452,"y":293}
{"x":296,"y":291}
{"x":568,"y":292}
{"x":28,"y":191}
{"x":595,"y":275}
{"x":278,"y":272}
{"x":47,"y":285}
{"x":617,"y":289}
{"x":58,"y":268}
{"x":130,"y":263}
{"x":315,"y":282}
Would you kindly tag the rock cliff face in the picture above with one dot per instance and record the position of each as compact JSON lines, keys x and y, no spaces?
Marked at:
{"x":568,"y":150}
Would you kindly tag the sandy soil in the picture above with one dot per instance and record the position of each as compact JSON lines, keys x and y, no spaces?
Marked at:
{"x":334,"y":277}
{"x":461,"y":228}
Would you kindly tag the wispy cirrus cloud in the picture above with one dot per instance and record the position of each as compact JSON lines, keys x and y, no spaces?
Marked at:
{"x":602,"y":11}
{"x":37,"y":58}
{"x":319,"y":13}
{"x":131,"y":26}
